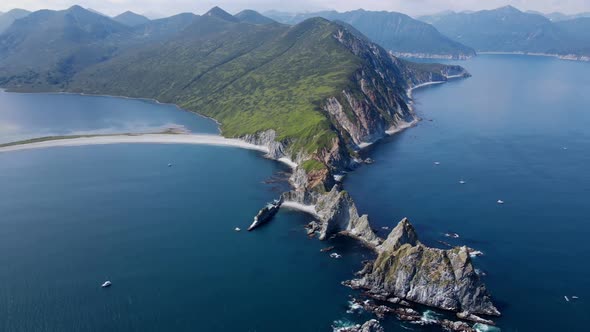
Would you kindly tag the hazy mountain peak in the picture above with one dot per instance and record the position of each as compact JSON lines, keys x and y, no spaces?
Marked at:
{"x":131,"y":19}
{"x":6,"y":19}
{"x":17,"y":11}
{"x":508,"y":8}
{"x":220,"y":13}
{"x":253,"y":17}
{"x":76,"y":8}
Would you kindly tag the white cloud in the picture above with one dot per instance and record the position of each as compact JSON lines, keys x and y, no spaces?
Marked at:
{"x":415,"y":7}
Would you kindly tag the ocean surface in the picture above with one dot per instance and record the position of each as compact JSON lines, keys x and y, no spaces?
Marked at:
{"x":517,"y":131}
{"x":73,"y":217}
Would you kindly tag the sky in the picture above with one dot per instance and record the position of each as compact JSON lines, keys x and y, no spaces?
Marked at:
{"x":412,"y":7}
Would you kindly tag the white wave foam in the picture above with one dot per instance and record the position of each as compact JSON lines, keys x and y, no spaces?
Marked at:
{"x":342,"y":324}
{"x":479,"y":327}
{"x":430,"y":317}
{"x":402,"y":126}
{"x":145,"y":138}
{"x":289,"y":162}
{"x":301,"y":207}
{"x":354,"y":307}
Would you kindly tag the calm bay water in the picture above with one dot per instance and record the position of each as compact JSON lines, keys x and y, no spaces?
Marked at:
{"x":516,"y":131}
{"x":24,"y":116}
{"x":72,"y":217}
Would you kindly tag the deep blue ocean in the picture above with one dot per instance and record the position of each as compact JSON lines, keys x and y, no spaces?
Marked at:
{"x":73,"y":217}
{"x":517,"y":131}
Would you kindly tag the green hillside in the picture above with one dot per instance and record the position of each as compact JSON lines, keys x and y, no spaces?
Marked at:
{"x":322,"y":87}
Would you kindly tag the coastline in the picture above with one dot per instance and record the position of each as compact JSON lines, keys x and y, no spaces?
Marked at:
{"x":150,"y":100}
{"x":567,"y":57}
{"x":193,"y":139}
{"x":405,"y":125}
{"x":433,"y":56}
{"x":214,"y":140}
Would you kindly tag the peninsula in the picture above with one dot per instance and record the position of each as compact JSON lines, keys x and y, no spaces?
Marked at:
{"x":312,"y":94}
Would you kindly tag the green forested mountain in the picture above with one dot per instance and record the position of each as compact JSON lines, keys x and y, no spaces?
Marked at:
{"x":131,"y":19}
{"x":7,"y":18}
{"x":321,"y":87}
{"x":253,"y":17}
{"x":56,"y":44}
{"x":507,"y":29}
{"x":393,"y":31}
{"x":163,"y":28}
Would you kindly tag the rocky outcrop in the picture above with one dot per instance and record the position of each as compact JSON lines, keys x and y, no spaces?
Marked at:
{"x":337,"y":213}
{"x":403,"y":233}
{"x":369,"y":326}
{"x":268,"y":139}
{"x":409,"y":270}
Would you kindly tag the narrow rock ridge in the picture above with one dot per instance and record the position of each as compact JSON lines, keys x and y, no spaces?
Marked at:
{"x":376,"y":103}
{"x":408,"y":270}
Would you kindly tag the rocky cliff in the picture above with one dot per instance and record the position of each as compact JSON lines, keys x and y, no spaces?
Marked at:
{"x":374,"y":103}
{"x":408,"y":270}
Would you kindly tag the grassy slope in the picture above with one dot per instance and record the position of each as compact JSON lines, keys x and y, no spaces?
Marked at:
{"x":250,"y":78}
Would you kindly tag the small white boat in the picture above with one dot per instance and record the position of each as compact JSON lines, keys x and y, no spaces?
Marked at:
{"x":453,"y":235}
{"x":237,"y":229}
{"x":565,"y":297}
{"x":475,"y":253}
{"x":335,"y":255}
{"x":575,"y":297}
{"x":565,"y":147}
{"x":437,"y":163}
{"x":106,"y":284}
{"x":462,"y":182}
{"x":500,"y":201}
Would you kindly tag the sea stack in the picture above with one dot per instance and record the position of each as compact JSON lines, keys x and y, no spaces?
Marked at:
{"x":408,"y":270}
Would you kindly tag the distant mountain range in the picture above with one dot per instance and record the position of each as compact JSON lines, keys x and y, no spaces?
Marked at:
{"x":557,"y":16}
{"x":6,"y":19}
{"x":508,"y":29}
{"x":396,"y":32}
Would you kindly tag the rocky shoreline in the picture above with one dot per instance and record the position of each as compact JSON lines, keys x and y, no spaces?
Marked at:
{"x":568,"y":57}
{"x":405,"y":271}
{"x":433,"y":56}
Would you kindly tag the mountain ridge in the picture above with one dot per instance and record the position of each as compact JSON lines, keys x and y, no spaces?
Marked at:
{"x":394,"y":31}
{"x":6,"y":19}
{"x":507,"y":29}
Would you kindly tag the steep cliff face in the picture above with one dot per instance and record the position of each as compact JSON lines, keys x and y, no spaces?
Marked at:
{"x":409,"y":270}
{"x":376,"y":100}
{"x":403,"y":233}
{"x":337,"y":213}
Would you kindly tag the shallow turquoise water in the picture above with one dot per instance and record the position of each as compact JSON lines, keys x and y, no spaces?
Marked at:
{"x":503,"y":131}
